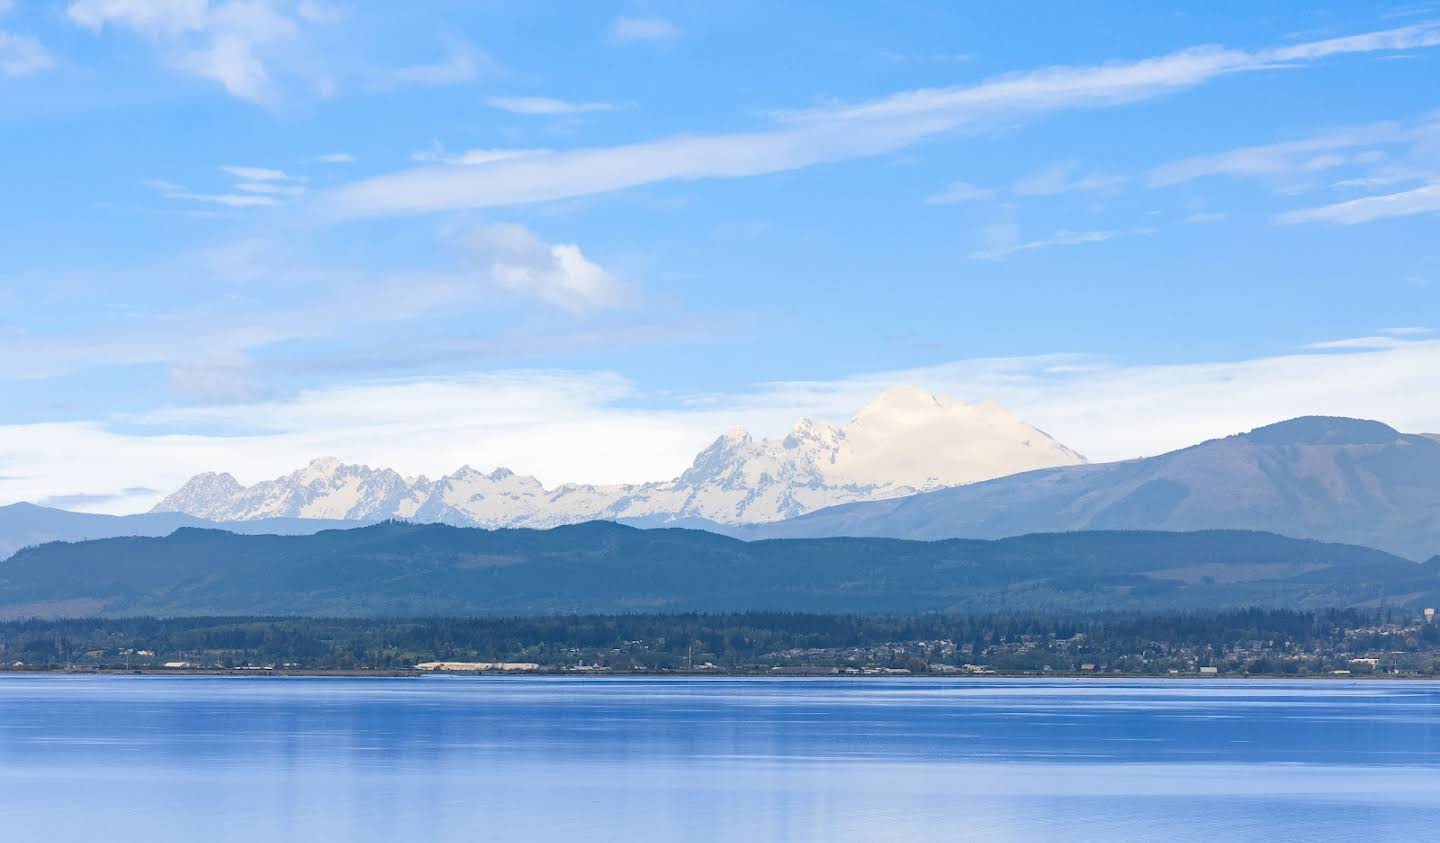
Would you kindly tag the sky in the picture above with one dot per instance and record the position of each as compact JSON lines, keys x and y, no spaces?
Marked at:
{"x":582,"y":240}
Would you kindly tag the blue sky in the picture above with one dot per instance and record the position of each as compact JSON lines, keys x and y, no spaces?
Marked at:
{"x":581,"y":239}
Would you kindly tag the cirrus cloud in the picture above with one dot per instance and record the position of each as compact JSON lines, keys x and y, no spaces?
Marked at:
{"x":835,"y":133}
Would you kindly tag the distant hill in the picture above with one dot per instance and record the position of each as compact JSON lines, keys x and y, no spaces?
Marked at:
{"x":25,"y":524}
{"x":396,"y":569}
{"x":1334,"y":479}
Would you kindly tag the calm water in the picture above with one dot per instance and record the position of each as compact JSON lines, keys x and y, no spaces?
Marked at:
{"x":213,"y":759}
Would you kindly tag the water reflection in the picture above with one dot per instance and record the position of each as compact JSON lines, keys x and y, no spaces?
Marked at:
{"x":145,"y":758}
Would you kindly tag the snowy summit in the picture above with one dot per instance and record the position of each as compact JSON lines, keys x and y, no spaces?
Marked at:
{"x":904,"y":442}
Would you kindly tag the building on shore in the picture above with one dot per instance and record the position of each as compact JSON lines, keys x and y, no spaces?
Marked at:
{"x":478,"y":667}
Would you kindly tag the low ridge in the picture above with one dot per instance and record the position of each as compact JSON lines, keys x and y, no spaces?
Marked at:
{"x":394,"y":569}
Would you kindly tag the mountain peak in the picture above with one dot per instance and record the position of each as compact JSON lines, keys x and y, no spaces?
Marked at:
{"x":902,"y":399}
{"x":321,"y":468}
{"x":904,"y":441}
{"x":912,"y":437}
{"x":808,"y":432}
{"x":735,"y":434}
{"x":199,"y":490}
{"x":1324,"y":430}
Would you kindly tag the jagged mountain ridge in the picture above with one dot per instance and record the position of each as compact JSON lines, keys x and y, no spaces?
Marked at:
{"x":907,"y":441}
{"x":1327,"y":478}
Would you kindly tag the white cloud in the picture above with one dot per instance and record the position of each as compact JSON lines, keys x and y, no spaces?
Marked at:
{"x":229,"y":200}
{"x":335,"y":158}
{"x":1405,"y":38}
{"x":627,"y":30}
{"x":560,"y":274}
{"x":1060,"y":178}
{"x":22,"y":55}
{"x":1387,"y":176}
{"x":317,"y":12}
{"x":472,"y":157}
{"x":546,"y":105}
{"x":269,"y":188}
{"x":1003,"y":241}
{"x":960,"y":191}
{"x":1206,"y":217}
{"x":1279,"y":159}
{"x":256,"y":187}
{"x":827,"y":134}
{"x":1421,"y":200}
{"x":464,"y":64}
{"x":598,"y":427}
{"x":227,"y":378}
{"x":1353,"y":343}
{"x":256,"y":173}
{"x":226,"y":42}
{"x":156,"y":18}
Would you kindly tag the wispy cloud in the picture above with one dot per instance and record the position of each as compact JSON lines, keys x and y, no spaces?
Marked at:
{"x":226,"y":378}
{"x":226,"y":42}
{"x":1358,"y":343}
{"x":814,"y":136}
{"x":1421,"y":200}
{"x":546,"y":106}
{"x":629,"y":30}
{"x":255,"y":187}
{"x":472,"y":157}
{"x":1062,"y":178}
{"x":90,"y":501}
{"x":335,"y":158}
{"x":1003,"y":240}
{"x":960,"y":191}
{"x":1307,"y":155}
{"x":22,"y":55}
{"x":229,"y":200}
{"x":270,"y":188}
{"x":256,"y":173}
{"x":465,"y":63}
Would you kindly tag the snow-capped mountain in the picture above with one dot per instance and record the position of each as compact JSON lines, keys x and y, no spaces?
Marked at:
{"x":905,"y":442}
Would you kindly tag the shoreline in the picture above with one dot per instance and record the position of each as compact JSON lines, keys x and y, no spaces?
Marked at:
{"x":709,"y":674}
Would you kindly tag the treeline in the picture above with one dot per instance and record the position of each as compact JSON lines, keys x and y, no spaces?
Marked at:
{"x":730,"y":641}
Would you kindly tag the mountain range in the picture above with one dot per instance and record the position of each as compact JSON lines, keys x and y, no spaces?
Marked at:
{"x":906,"y":441}
{"x":400,"y":569}
{"x":1333,"y":479}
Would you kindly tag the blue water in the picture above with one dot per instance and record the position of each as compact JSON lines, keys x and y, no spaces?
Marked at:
{"x":439,"y":759}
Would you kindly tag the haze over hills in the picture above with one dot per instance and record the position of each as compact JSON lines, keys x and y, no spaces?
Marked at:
{"x":906,"y":441}
{"x":25,"y":525}
{"x":396,"y":569}
{"x":1333,"y":479}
